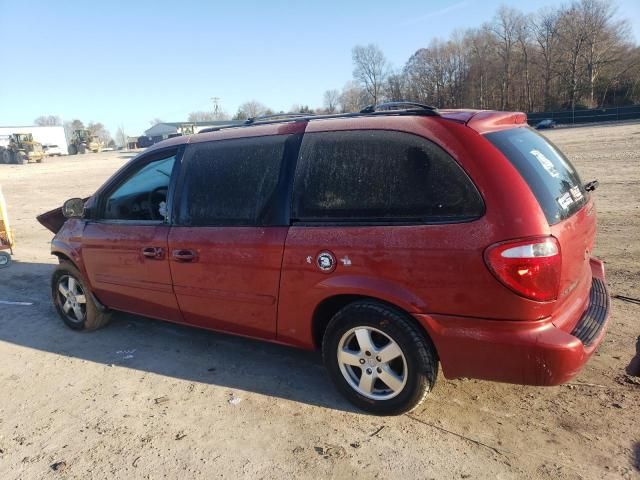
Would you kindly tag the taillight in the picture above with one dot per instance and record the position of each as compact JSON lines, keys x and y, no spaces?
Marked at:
{"x":529,"y":267}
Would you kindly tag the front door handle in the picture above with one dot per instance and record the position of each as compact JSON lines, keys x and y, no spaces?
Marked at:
{"x":183,"y":255}
{"x":157,"y":253}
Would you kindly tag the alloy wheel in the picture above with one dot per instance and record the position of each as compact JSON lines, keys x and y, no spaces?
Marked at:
{"x":372,"y":363}
{"x":72,"y":299}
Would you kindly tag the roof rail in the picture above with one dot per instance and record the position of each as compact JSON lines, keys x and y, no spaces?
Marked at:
{"x":273,"y":116}
{"x":413,"y":107}
{"x":389,"y":108}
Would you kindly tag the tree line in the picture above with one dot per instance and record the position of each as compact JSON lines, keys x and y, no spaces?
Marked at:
{"x":573,"y":56}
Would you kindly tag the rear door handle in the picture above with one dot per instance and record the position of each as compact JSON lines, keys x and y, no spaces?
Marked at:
{"x":157,"y":253}
{"x":183,"y":255}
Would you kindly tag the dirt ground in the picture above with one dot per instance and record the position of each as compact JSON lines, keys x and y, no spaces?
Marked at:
{"x":145,"y":399}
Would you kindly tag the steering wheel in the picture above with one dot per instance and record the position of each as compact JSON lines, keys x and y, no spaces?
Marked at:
{"x":154,"y":198}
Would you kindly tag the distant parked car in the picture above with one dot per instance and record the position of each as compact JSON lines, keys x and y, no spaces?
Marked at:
{"x":546,"y":123}
{"x":52,"y":150}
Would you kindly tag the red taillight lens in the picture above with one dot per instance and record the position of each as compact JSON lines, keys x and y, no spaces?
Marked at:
{"x":529,"y":267}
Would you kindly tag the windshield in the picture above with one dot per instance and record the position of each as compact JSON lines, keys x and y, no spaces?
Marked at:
{"x":551,"y":177}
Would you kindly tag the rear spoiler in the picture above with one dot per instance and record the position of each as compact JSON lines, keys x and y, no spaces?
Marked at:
{"x":488,"y":121}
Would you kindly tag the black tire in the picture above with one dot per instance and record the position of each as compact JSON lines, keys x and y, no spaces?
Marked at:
{"x":94,"y":316}
{"x":82,"y":149}
{"x":421,"y":361}
{"x":72,"y":150}
{"x":5,"y":259}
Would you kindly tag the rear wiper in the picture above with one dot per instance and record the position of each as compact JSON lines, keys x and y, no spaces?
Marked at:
{"x":591,"y":186}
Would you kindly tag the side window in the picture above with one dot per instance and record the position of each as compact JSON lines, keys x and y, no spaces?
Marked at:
{"x":230,"y":182}
{"x":380,"y":176}
{"x":143,"y":195}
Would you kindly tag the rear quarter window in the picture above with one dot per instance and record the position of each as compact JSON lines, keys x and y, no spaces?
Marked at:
{"x":549,"y":174}
{"x":379,"y":176}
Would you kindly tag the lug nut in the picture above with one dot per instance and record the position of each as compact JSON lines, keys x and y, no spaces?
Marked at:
{"x":367,"y":353}
{"x":378,"y":358}
{"x":379,"y":370}
{"x":369,"y":371}
{"x":362,"y":361}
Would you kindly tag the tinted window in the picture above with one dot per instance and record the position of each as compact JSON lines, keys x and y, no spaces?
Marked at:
{"x":143,"y":195}
{"x":230,"y":182}
{"x":551,"y":177}
{"x":380,"y":176}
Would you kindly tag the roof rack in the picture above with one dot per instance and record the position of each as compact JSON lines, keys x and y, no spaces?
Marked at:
{"x":393,"y":106}
{"x":388,"y":108}
{"x":283,"y":116}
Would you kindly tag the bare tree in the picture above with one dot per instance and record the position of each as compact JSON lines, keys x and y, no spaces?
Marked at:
{"x":251,"y":109}
{"x":524,"y":36}
{"x":121,"y":137}
{"x":352,"y":98}
{"x":544,"y":28}
{"x":331,"y":100}
{"x":97,"y":128}
{"x":371,"y":70}
{"x":395,"y":87}
{"x":505,"y":27}
{"x":201,"y":116}
{"x":48,"y":120}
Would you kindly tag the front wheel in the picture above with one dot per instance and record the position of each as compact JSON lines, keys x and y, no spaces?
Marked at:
{"x":378,"y":358}
{"x":74,"y":301}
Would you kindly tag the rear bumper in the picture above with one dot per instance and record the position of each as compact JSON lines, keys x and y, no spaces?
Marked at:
{"x":522,"y":352}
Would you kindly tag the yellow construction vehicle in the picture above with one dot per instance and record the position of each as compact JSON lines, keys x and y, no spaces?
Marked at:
{"x":6,"y":236}
{"x":21,"y":148}
{"x":82,"y":141}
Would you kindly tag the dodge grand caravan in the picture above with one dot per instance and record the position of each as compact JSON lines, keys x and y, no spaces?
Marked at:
{"x":398,"y":240}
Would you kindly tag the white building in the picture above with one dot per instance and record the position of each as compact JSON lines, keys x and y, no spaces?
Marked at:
{"x":162,"y":131}
{"x":50,"y":135}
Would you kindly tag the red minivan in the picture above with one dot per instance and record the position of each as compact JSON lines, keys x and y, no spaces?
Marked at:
{"x":395,"y":240}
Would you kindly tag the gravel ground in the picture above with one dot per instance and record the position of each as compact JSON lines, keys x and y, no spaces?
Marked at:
{"x":145,"y":399}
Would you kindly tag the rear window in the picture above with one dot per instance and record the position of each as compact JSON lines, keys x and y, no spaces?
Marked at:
{"x":551,"y":177}
{"x":380,"y":177}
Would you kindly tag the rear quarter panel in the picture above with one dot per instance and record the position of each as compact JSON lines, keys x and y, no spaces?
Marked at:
{"x":420,"y":268}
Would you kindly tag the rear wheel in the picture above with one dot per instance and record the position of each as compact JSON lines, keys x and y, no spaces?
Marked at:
{"x":73,"y":150}
{"x":74,"y":301}
{"x":82,"y":149}
{"x":378,"y":358}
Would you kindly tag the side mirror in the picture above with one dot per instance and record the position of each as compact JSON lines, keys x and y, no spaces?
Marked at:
{"x":73,"y":208}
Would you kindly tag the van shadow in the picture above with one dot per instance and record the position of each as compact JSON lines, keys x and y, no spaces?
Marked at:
{"x":162,"y":348}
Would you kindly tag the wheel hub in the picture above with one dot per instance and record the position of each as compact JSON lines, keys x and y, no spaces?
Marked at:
{"x":372,"y":363}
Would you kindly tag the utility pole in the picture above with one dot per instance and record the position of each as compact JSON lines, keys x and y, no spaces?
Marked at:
{"x":216,"y":106}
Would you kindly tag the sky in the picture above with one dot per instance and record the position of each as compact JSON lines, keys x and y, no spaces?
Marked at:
{"x":124,"y":63}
